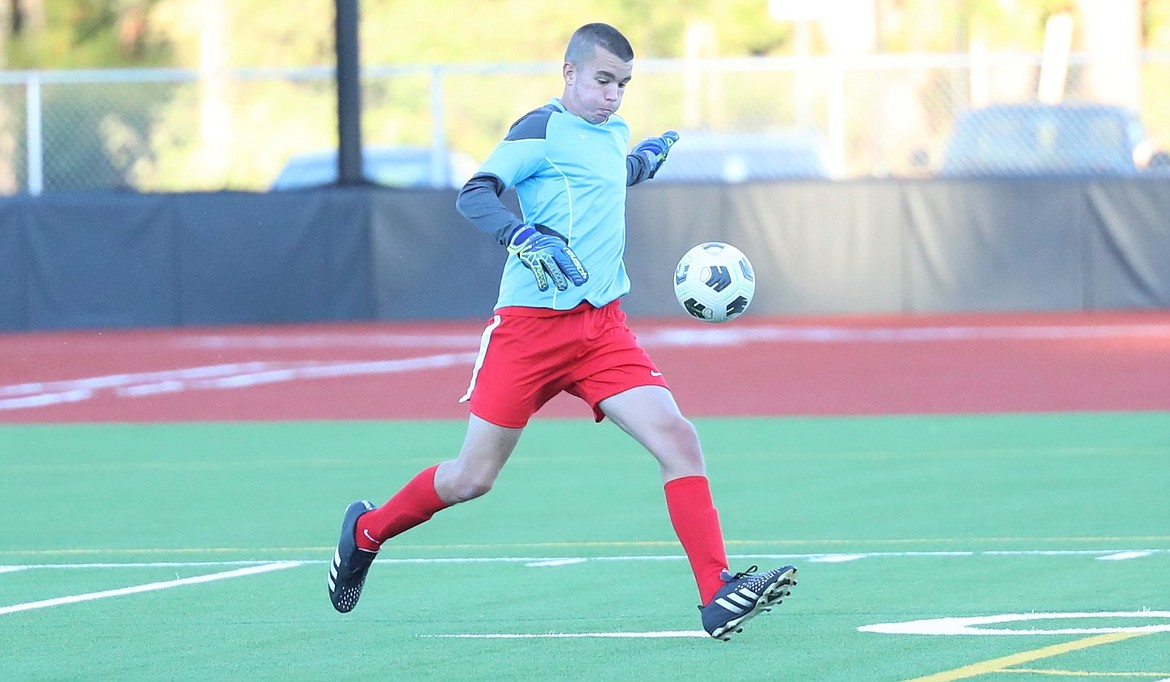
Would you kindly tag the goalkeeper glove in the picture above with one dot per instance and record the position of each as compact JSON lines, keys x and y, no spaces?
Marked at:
{"x":547,"y":255}
{"x":655,"y":149}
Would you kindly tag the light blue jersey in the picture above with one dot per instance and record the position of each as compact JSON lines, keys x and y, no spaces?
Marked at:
{"x":570,"y":176}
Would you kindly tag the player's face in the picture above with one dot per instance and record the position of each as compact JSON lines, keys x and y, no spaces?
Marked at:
{"x":594,"y":89}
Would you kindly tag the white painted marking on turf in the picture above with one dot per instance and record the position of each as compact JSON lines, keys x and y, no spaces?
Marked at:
{"x":968,"y":625}
{"x":835,"y":558}
{"x":149,"y":587}
{"x":1063,"y":552}
{"x":565,"y":560}
{"x":556,"y":562}
{"x":1124,"y":556}
{"x":574,"y":635}
{"x":140,"y":564}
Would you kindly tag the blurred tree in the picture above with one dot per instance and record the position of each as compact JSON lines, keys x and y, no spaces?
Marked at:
{"x":176,"y":122}
{"x":8,"y":181}
{"x":83,"y":34}
{"x":1156,"y":24}
{"x":85,"y":131}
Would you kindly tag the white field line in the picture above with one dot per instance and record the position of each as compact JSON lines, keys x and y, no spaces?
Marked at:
{"x":209,"y":378}
{"x":149,"y":564}
{"x":700,"y":336}
{"x":149,"y":587}
{"x":118,"y":380}
{"x":254,"y":567}
{"x":243,"y":375}
{"x":552,"y":562}
{"x":1124,"y":556}
{"x":295,"y":340}
{"x":661,"y":634}
{"x":968,"y":625}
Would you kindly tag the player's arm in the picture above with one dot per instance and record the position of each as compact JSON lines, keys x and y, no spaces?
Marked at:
{"x":479,"y":202}
{"x":519,"y":156}
{"x":647,"y":157}
{"x":542,"y":250}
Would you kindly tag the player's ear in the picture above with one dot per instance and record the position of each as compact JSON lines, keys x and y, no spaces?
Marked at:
{"x":569,"y":72}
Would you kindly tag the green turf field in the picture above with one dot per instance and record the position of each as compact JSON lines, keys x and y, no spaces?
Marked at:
{"x":107,"y":531}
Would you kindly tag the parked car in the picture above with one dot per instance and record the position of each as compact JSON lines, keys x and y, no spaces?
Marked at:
{"x":1049,"y":139}
{"x":393,"y":166}
{"x":705,"y":156}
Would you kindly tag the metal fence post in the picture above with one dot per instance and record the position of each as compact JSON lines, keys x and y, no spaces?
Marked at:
{"x":438,"y":130}
{"x":349,"y":98}
{"x":34,"y":144}
{"x":835,"y":115}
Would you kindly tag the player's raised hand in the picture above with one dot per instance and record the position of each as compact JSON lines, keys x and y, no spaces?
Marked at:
{"x":655,"y":149}
{"x":547,"y":255}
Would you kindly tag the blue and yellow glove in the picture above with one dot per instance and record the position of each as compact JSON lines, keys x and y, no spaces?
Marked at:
{"x":655,"y":149}
{"x":547,"y":255}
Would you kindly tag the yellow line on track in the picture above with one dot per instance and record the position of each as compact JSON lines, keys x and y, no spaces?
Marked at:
{"x":998,"y":664}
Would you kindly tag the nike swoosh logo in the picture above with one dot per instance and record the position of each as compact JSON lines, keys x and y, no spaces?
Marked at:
{"x":655,"y":374}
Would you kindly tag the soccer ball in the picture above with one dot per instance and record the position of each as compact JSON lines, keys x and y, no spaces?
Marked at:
{"x":714,"y":282}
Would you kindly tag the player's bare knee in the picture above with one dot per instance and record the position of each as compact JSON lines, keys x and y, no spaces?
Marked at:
{"x":679,"y":445}
{"x":683,"y":433}
{"x":455,"y":482}
{"x":469,"y":487}
{"x":688,"y":439}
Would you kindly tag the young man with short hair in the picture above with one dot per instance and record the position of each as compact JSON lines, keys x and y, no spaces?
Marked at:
{"x":569,"y":165}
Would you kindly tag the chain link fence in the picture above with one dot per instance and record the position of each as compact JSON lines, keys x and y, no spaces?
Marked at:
{"x":741,"y":119}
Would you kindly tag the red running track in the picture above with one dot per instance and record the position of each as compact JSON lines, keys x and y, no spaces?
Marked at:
{"x":1108,"y":361}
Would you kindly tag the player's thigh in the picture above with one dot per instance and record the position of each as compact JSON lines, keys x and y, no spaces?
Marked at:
{"x":652,"y":417}
{"x":487,"y":446}
{"x":485,"y":451}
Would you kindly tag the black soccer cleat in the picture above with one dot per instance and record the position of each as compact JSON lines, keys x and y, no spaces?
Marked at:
{"x":744,"y":595}
{"x":347,"y":573}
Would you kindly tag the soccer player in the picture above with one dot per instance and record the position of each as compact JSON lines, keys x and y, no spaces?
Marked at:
{"x":569,"y":165}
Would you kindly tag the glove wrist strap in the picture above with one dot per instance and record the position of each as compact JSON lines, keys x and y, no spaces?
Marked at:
{"x":521,"y":234}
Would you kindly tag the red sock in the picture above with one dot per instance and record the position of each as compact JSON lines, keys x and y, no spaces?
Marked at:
{"x":696,"y":522}
{"x":414,"y":504}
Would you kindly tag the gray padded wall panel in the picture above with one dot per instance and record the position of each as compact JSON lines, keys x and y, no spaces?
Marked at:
{"x":814,"y":253}
{"x":1128,"y":245}
{"x":100,"y":264}
{"x":428,"y":261}
{"x":111,"y":260}
{"x":662,"y":223}
{"x":995,"y":245}
{"x":269,"y":258}
{"x":13,"y":257}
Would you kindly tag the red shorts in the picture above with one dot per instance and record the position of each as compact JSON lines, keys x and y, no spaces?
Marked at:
{"x":528,"y":355}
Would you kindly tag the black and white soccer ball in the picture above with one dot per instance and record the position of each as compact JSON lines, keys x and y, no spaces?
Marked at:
{"x":714,"y":282}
